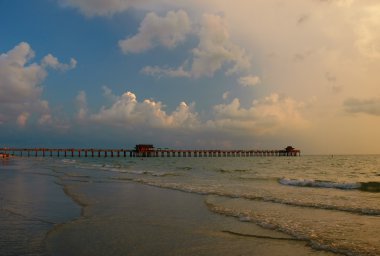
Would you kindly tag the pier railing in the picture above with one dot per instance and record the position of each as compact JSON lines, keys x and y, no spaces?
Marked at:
{"x":92,"y":152}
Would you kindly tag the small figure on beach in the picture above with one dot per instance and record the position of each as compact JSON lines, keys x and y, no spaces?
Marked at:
{"x":4,"y":155}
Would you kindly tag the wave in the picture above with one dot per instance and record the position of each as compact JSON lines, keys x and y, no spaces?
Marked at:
{"x":185,"y":168}
{"x":77,"y":175}
{"x":318,"y":183}
{"x":232,"y":171}
{"x":215,"y":190}
{"x":372,"y":186}
{"x":69,"y":161}
{"x":297,"y":232}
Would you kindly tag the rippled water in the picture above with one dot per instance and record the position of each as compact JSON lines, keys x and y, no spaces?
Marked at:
{"x":331,"y":202}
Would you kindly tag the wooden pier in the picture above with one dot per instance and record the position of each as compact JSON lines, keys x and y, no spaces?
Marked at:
{"x":144,"y":150}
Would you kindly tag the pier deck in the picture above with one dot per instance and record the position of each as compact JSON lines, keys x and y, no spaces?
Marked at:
{"x":151,"y":152}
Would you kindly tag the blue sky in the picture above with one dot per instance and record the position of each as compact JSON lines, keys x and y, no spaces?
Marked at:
{"x":257,"y":74}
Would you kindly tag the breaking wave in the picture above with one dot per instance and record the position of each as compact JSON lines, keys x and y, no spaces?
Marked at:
{"x":217,"y":191}
{"x":372,"y":186}
{"x":232,"y":171}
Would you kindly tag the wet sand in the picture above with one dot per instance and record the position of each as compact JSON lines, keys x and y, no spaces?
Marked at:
{"x":31,"y":204}
{"x":124,"y":218}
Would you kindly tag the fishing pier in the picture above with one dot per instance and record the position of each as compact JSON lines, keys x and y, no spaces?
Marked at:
{"x":145,"y":150}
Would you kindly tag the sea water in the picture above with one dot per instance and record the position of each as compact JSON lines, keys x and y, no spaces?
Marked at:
{"x":329,"y":203}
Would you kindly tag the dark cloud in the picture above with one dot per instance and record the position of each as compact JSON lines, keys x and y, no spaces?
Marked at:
{"x":367,"y":106}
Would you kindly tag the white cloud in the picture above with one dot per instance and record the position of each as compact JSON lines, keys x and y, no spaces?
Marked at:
{"x":216,"y":48}
{"x":19,"y":81}
{"x":154,"y":30}
{"x":248,"y":81}
{"x":266,"y":116}
{"x":129,"y":113}
{"x":21,"y":85}
{"x":52,"y":62}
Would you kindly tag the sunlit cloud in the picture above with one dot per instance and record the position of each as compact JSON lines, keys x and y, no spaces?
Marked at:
{"x":154,"y":30}
{"x":265,"y":116}
{"x":249,"y":81}
{"x":52,"y":62}
{"x":215,"y":49}
{"x":21,"y":84}
{"x":128,"y":112}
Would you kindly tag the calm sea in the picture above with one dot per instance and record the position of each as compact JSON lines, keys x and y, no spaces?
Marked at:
{"x":331,"y":203}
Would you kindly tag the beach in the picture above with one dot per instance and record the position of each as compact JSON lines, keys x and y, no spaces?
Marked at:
{"x":175,"y":206}
{"x":135,"y":219}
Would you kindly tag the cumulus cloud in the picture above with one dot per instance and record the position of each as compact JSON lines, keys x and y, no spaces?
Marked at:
{"x":249,"y":81}
{"x":155,"y":30}
{"x":367,"y":106}
{"x":128,"y":112}
{"x":21,"y":85}
{"x":265,"y":116}
{"x":19,"y":81}
{"x":214,"y":50}
{"x":52,"y":62}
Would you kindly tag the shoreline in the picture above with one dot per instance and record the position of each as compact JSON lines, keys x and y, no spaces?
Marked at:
{"x":121,"y":220}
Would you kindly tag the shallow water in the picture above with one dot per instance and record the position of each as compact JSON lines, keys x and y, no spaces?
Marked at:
{"x":329,"y":203}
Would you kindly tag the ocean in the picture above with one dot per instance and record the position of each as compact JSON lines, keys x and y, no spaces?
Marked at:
{"x":308,"y":205}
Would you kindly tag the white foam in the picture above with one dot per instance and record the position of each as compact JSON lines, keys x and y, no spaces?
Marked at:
{"x":69,"y":161}
{"x":318,"y":184}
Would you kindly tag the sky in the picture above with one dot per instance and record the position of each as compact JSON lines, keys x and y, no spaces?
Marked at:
{"x":244,"y":74}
